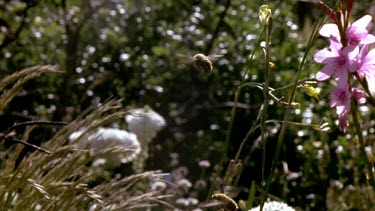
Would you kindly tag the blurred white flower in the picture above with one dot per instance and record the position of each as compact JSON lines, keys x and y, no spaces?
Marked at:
{"x":184,"y":184}
{"x":274,"y":206}
{"x":204,"y":164}
{"x":158,"y":186}
{"x":111,"y":146}
{"x":145,"y":123}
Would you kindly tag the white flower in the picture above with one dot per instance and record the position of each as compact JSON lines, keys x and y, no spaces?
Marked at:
{"x":145,"y":123}
{"x":112,"y":146}
{"x":274,"y":206}
{"x":158,"y":186}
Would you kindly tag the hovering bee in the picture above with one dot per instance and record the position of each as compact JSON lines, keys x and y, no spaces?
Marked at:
{"x":201,"y":62}
{"x":228,"y":203}
{"x":223,"y":201}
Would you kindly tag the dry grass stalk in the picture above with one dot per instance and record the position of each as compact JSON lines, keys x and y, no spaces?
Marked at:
{"x":60,"y":180}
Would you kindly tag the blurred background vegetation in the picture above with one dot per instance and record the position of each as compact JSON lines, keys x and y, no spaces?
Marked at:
{"x":129,"y":50}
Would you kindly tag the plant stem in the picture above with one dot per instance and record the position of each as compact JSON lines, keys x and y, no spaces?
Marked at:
{"x":369,"y":162}
{"x":263,"y":124}
{"x":290,"y":100}
{"x":233,"y":112}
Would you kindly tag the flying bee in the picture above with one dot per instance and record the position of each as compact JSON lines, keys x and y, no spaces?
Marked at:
{"x":201,"y":62}
{"x":228,"y":203}
{"x":223,"y":201}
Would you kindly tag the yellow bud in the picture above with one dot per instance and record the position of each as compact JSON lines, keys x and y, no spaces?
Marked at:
{"x":311,"y":91}
{"x":295,"y":105}
{"x":242,"y":205}
{"x":264,"y":14}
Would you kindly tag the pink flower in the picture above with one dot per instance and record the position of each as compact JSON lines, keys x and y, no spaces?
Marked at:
{"x":366,"y":66}
{"x":340,"y":98}
{"x":347,"y":56}
{"x":337,"y":62}
{"x":343,"y":121}
{"x":359,"y":95}
{"x":356,"y":33}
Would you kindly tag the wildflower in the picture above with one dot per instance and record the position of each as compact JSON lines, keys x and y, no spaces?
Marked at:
{"x":343,"y":121}
{"x":348,"y":56}
{"x":180,"y":172}
{"x":359,"y":95}
{"x":356,"y":33}
{"x":337,"y":62}
{"x":264,"y":14}
{"x":366,"y":66}
{"x":182,"y":201}
{"x":200,"y":184}
{"x":274,"y":206}
{"x":311,"y":91}
{"x":204,"y":164}
{"x":101,"y":141}
{"x":158,"y":186}
{"x":184,"y":184}
{"x":340,"y":98}
{"x":145,"y":123}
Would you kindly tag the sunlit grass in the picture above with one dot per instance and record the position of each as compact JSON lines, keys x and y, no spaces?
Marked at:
{"x":64,"y":178}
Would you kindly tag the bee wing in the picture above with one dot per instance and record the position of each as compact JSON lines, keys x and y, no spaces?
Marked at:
{"x":211,"y":204}
{"x":185,"y":59}
{"x":213,"y":57}
{"x":231,"y":191}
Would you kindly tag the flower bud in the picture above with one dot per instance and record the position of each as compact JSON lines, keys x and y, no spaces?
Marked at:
{"x":311,"y":91}
{"x":295,"y":105}
{"x":264,"y":14}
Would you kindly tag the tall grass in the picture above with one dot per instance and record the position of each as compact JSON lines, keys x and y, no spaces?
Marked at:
{"x":61,"y":177}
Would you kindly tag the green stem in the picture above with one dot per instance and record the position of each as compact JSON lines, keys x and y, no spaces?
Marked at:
{"x":369,"y":162}
{"x":291,"y":97}
{"x":233,"y":112}
{"x":226,"y":143}
{"x":263,"y":119}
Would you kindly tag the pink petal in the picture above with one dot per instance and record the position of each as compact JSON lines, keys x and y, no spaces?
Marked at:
{"x":371,"y":82}
{"x":329,"y":29}
{"x":369,"y":58}
{"x":366,"y":69}
{"x":340,"y":97}
{"x":363,"y":52}
{"x":325,"y":72}
{"x":341,"y":78}
{"x":351,"y":51}
{"x":343,"y":122}
{"x":334,"y":44}
{"x":359,"y":95}
{"x":352,"y":57}
{"x":368,"y":39}
{"x":363,"y":22}
{"x":322,"y":55}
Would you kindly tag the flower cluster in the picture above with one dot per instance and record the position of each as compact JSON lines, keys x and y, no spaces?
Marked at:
{"x":145,"y":123}
{"x":347,"y":60}
{"x":274,"y":206}
{"x":110,"y":146}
